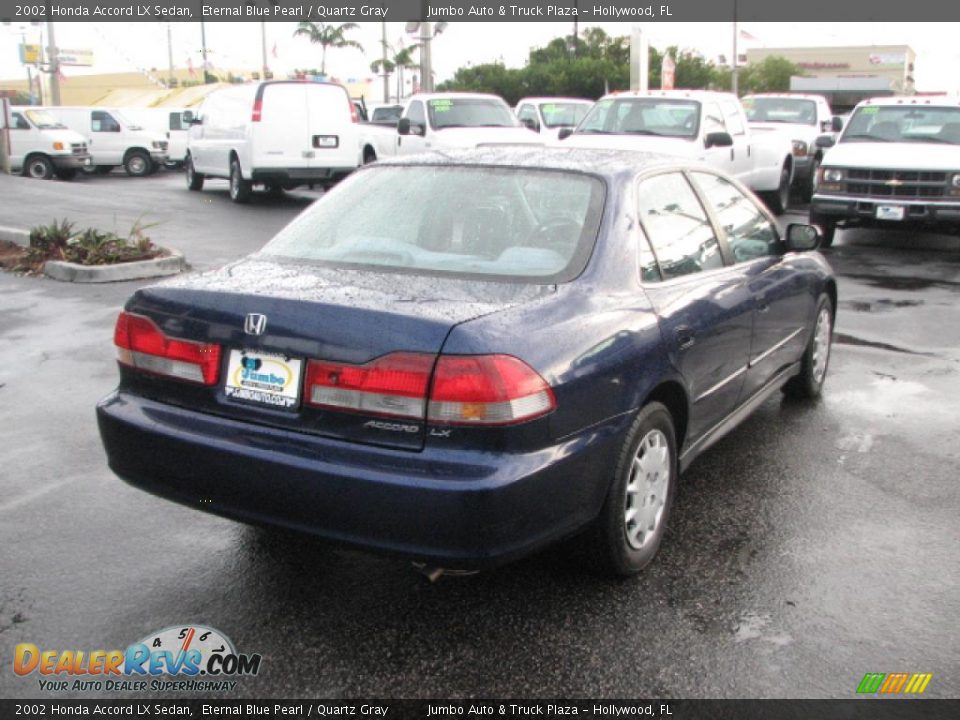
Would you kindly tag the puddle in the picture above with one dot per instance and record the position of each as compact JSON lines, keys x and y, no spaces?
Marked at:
{"x":843,"y":339}
{"x":888,"y":282}
{"x":881,"y":305}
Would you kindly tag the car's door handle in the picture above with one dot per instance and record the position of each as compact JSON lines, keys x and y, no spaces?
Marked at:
{"x":733,"y":153}
{"x":685,"y":337}
{"x":763,"y":306}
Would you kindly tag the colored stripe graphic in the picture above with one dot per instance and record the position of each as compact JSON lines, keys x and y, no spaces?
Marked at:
{"x":871,"y":683}
{"x":894,"y":683}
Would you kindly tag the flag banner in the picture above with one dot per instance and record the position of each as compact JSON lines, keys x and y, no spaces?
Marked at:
{"x":413,"y":12}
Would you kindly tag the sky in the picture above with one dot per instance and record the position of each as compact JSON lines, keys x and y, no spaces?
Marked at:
{"x":124,"y":47}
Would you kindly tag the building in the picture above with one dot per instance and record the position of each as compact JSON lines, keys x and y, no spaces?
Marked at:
{"x":847,"y":75}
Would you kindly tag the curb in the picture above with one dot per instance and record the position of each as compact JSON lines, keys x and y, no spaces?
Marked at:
{"x":72,"y":272}
{"x":15,"y":235}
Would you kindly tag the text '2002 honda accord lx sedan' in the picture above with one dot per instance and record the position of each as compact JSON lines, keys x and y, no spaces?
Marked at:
{"x":461,"y":358}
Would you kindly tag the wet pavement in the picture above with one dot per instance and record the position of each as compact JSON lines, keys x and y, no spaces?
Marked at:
{"x":815,"y":543}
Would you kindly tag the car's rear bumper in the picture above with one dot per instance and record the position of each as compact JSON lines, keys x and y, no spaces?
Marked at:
{"x":452,"y":508}
{"x":300,"y":175}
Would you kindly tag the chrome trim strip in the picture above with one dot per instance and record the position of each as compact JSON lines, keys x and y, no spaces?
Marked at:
{"x":886,"y":200}
{"x":762,"y":356}
{"x":723,"y":382}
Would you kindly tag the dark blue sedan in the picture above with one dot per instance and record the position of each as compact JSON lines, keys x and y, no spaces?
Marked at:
{"x":461,"y":358}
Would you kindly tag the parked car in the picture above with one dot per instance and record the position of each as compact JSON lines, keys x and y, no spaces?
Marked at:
{"x":547,"y":116}
{"x":461,"y":357}
{"x":384,"y":113}
{"x":694,"y":124}
{"x":433,"y":121}
{"x":41,"y":146}
{"x":803,"y":118}
{"x":280,"y":134}
{"x":114,"y":139}
{"x":896,"y":165}
{"x":172,"y":123}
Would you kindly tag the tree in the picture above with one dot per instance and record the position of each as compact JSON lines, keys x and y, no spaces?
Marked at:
{"x":327,"y":35}
{"x":772,"y":74}
{"x":399,"y":61}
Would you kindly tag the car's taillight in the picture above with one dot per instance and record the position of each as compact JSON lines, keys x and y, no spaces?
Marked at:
{"x":354,"y":115}
{"x":144,"y":346}
{"x":466,"y":390}
{"x":257,"y":110}
{"x":487,"y":390}
{"x":394,"y":385}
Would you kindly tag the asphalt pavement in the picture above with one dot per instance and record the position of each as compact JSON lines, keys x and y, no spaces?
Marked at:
{"x":814,"y":544}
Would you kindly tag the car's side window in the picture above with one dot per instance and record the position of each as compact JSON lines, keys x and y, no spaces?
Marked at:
{"x":529,"y":112}
{"x":733,"y":118}
{"x":677,"y":227}
{"x":103,"y":122}
{"x":713,"y":119}
{"x":749,"y":233}
{"x":416,"y":114}
{"x":19,"y":122}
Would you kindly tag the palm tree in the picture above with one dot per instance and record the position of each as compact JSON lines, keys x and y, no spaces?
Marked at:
{"x":327,"y":35}
{"x":402,"y":59}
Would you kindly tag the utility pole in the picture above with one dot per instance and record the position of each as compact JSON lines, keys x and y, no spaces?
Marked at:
{"x":263,"y":49}
{"x":383,"y":67}
{"x":54,"y":63}
{"x":733,"y":75}
{"x":171,"y":79}
{"x":203,"y":50}
{"x":426,"y":67}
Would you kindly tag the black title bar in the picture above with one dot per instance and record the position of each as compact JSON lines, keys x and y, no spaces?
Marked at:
{"x":340,"y":11}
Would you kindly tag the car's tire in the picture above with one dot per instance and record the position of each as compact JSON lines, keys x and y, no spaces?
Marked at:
{"x":137,"y":164}
{"x":828,"y":229}
{"x":194,"y":179}
{"x":66,"y":173}
{"x":38,"y":167}
{"x":779,"y":200}
{"x":103,"y":169}
{"x":810,"y":186}
{"x":275,"y":190}
{"x":808,"y":385}
{"x":240,"y":189}
{"x":627,"y":534}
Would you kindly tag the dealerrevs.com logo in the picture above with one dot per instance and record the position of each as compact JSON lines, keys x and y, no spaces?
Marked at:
{"x":181,"y":657}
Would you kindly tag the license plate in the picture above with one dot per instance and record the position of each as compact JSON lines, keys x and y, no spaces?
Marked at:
{"x":264,"y":378}
{"x":889,"y":212}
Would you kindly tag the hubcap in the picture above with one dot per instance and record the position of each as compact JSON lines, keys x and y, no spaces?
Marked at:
{"x":647,"y":488}
{"x":137,"y":165}
{"x":821,"y":346}
{"x":38,"y":170}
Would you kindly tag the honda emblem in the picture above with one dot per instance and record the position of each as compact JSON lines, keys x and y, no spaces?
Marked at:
{"x":255,"y":324}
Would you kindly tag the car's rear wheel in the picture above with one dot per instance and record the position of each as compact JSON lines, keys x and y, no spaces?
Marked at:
{"x":194,"y":179}
{"x":779,"y":200}
{"x":813,"y":370}
{"x":138,"y":164}
{"x":810,"y":186}
{"x":239,"y":188}
{"x":39,"y":167}
{"x":631,"y":525}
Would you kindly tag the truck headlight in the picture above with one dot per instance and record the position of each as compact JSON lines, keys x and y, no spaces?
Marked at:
{"x":157,"y":145}
{"x":833,"y":175}
{"x":955,"y":180}
{"x":799,"y":148}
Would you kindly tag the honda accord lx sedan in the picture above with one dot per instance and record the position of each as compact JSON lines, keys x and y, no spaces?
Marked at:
{"x":460,"y":358}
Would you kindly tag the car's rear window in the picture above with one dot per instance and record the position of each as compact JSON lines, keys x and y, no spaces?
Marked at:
{"x":503,"y":223}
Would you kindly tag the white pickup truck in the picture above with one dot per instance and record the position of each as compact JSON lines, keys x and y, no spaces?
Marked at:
{"x":803,"y":118}
{"x":434,"y":121}
{"x":896,"y":166}
{"x":707,"y":126}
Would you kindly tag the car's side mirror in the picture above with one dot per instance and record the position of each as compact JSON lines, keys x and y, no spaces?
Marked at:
{"x":564,"y":133}
{"x":826,"y":141}
{"x":836,"y":125}
{"x":530,"y":124}
{"x":802,"y":237}
{"x":403,"y":126}
{"x":718,"y":139}
{"x":188,"y":116}
{"x":194,"y":120}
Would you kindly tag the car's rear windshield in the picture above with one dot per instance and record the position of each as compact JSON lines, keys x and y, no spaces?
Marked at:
{"x":499,"y":223}
{"x":469,"y":112}
{"x":780,"y":110}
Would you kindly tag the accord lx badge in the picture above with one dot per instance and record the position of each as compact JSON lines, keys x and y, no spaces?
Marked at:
{"x":255,"y":324}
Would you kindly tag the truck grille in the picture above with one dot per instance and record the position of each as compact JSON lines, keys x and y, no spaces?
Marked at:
{"x":78,"y":148}
{"x":904,"y":184}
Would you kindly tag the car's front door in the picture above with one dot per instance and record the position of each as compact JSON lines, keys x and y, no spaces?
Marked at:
{"x":783,"y":305}
{"x":106,"y":142}
{"x":704,"y":305}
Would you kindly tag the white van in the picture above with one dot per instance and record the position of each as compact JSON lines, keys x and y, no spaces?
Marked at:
{"x":114,"y":139}
{"x":41,"y":147}
{"x":280,"y":134}
{"x":172,"y":123}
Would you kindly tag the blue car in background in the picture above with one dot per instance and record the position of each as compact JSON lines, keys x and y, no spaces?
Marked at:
{"x":463,"y":357}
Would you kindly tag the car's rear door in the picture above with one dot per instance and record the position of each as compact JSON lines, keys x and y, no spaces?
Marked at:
{"x":281,"y":135}
{"x":704,"y":305}
{"x":783,"y":305}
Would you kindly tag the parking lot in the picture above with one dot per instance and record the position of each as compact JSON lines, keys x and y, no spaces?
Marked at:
{"x":815,"y":543}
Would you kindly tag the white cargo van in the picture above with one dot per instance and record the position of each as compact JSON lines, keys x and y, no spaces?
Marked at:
{"x":172,"y":123}
{"x":41,"y":147}
{"x":279,"y":134}
{"x":114,"y":139}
